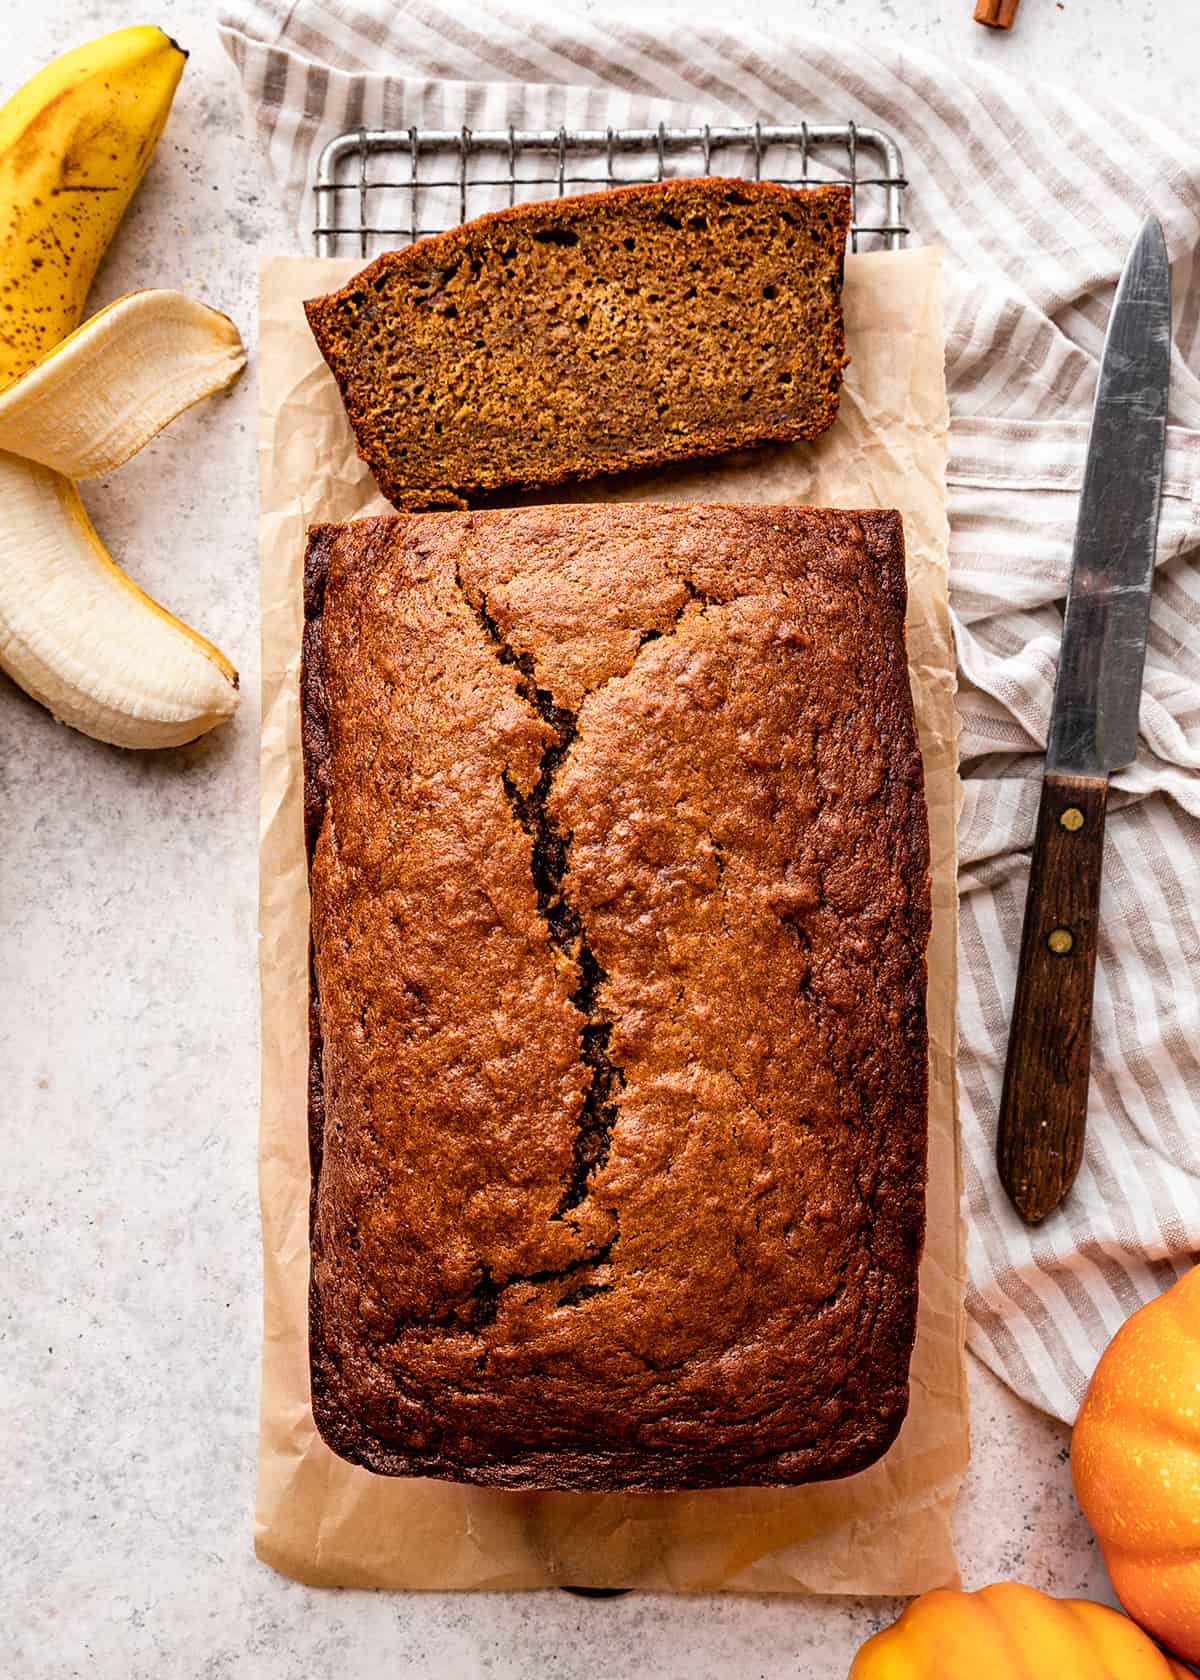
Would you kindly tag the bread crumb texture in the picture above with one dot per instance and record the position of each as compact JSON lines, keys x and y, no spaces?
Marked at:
{"x":570,"y":338}
{"x":619,"y":871}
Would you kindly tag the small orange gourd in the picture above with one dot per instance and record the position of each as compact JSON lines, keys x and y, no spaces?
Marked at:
{"x":1010,"y":1632}
{"x":1135,"y":1457}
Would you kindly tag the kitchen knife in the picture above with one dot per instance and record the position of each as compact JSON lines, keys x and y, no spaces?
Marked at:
{"x":1093,"y":730}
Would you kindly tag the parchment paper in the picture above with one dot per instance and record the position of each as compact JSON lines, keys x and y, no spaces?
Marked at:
{"x":886,"y":1530}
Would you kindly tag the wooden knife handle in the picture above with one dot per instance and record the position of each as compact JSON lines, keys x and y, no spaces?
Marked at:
{"x":1043,"y":1109}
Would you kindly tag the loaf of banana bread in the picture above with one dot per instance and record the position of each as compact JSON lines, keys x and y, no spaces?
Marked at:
{"x":572,"y":337}
{"x":619,"y":878}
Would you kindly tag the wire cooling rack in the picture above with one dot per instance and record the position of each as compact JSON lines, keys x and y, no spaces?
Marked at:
{"x":376,"y":188}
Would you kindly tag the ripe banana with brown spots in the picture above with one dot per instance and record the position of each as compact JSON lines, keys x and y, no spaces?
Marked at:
{"x":74,"y":143}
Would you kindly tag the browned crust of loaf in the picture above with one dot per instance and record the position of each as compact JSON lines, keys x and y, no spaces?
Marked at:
{"x":811,"y":416}
{"x":862,"y":1414}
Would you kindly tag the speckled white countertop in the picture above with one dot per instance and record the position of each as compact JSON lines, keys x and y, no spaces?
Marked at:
{"x":129,"y":1284}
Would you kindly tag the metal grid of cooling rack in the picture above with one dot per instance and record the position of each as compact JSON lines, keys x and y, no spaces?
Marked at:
{"x":378,"y":187}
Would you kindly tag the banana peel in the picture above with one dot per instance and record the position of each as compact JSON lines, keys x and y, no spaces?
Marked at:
{"x":105,"y":391}
{"x":82,"y":638}
{"x":75,"y":632}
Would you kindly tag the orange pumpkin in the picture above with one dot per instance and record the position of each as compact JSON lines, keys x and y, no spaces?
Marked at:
{"x":1135,"y":1457}
{"x":1011,"y":1632}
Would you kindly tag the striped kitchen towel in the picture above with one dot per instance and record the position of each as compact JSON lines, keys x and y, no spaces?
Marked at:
{"x":1035,"y":194}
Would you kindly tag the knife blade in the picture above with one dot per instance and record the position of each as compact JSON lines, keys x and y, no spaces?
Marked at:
{"x":1093,"y":730}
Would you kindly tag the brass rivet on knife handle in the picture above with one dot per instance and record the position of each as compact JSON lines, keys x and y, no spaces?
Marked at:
{"x":1043,"y":1108}
{"x":996,"y":14}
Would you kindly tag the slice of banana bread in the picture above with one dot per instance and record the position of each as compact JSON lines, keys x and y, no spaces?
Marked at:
{"x":590,"y":335}
{"x":619,"y":869}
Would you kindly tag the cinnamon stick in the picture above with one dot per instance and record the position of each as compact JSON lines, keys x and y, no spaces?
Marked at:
{"x":996,"y":14}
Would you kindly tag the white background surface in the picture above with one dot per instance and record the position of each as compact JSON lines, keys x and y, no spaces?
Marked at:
{"x":129,"y":1281}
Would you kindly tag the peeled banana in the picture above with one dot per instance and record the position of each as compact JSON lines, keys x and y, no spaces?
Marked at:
{"x":74,"y":143}
{"x":105,"y":391}
{"x":82,"y":638}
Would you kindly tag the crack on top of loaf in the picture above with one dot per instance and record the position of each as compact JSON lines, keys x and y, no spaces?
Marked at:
{"x":488,"y":1293}
{"x":692,"y":595}
{"x":566,"y":933}
{"x":482,"y":1306}
{"x":565,"y":930}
